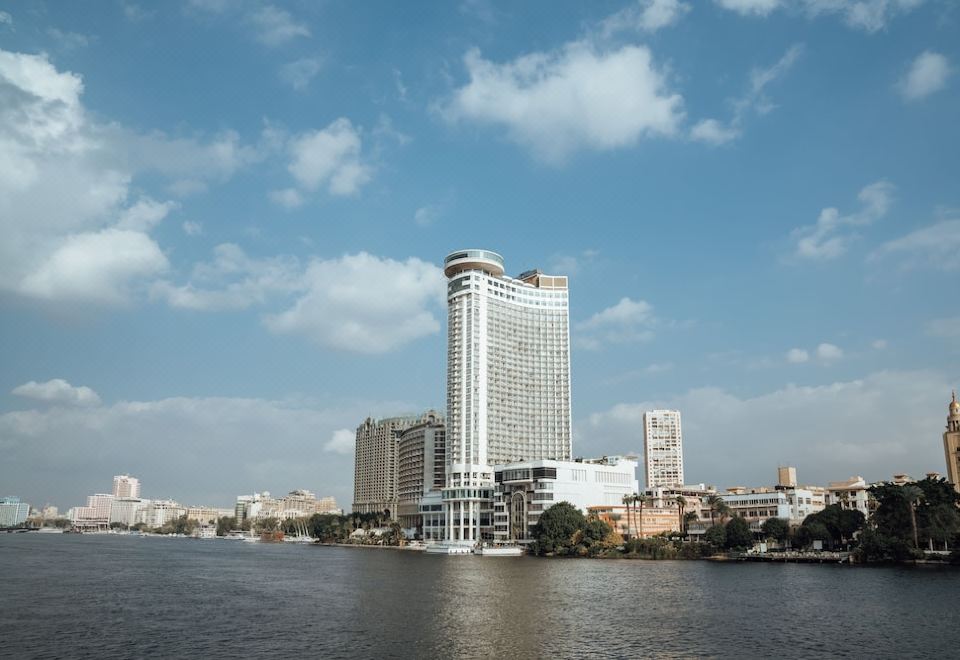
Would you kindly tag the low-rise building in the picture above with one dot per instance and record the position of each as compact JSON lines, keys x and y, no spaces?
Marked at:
{"x":854,"y":493}
{"x":157,"y":513}
{"x":524,"y":490}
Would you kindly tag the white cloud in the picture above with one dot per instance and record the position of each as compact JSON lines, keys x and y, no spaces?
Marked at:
{"x":187,"y":187}
{"x":299,"y":73}
{"x":934,"y":246}
{"x":948,"y":327}
{"x":829,"y":352}
{"x":58,"y":390}
{"x":191,"y":228}
{"x":343,"y":442}
{"x":570,"y":264}
{"x":797,"y":356}
{"x":330,"y":157}
{"x":712,"y":131}
{"x":96,"y":266}
{"x":5,"y":18}
{"x":827,"y":431}
{"x":578,"y":97}
{"x":753,"y":101}
{"x":233,"y":280}
{"x":644,"y":16}
{"x":879,"y":344}
{"x":288,"y":198}
{"x":365,"y":304}
{"x":627,"y":321}
{"x":275,"y":26}
{"x":750,"y":7}
{"x":828,"y":239}
{"x":867,"y":15}
{"x":73,"y":445}
{"x":928,"y":74}
{"x":69,"y":40}
{"x":70,"y":229}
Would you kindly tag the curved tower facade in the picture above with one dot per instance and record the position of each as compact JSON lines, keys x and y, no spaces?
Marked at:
{"x":508,"y":380}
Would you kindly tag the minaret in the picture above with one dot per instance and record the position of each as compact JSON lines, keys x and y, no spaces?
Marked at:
{"x":951,"y":443}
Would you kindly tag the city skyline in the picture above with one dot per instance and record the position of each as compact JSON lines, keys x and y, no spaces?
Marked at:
{"x":209,"y":279}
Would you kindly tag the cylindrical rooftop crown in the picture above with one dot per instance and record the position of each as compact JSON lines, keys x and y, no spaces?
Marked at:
{"x":485,"y":260}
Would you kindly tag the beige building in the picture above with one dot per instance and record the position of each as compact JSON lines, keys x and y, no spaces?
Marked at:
{"x":951,"y":443}
{"x":421,"y":466}
{"x":632,"y":523}
{"x":376,"y":461}
{"x":663,"y":448}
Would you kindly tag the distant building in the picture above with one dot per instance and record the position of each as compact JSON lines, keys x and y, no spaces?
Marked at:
{"x":124,"y":510}
{"x":49,"y":512}
{"x":126,"y":486}
{"x":524,"y":490}
{"x":376,"y":461}
{"x":421,"y":466}
{"x":159,"y":512}
{"x":296,"y":504}
{"x":951,"y":442}
{"x":13,"y":512}
{"x":854,"y":494}
{"x":96,"y":514}
{"x":787,"y":476}
{"x":663,"y":448}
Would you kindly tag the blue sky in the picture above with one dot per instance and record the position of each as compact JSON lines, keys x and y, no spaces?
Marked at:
{"x":221,"y":225}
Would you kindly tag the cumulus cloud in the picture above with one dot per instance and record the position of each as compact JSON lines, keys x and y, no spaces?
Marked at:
{"x":644,"y":16}
{"x":570,"y":264}
{"x":71,"y":228}
{"x":5,"y":18}
{"x":343,"y":442}
{"x":288,"y":198}
{"x":191,"y":228}
{"x":299,"y":73}
{"x":330,"y":158}
{"x":927,"y":74}
{"x":578,"y":97}
{"x":60,"y":391}
{"x":827,"y":431}
{"x":830,"y":237}
{"x":274,"y":26}
{"x":365,"y":304}
{"x":878,"y":344}
{"x":753,"y":102}
{"x":935,"y":246}
{"x":797,"y":356}
{"x":79,"y":447}
{"x":627,"y":321}
{"x":426,"y":215}
{"x":829,"y":352}
{"x":750,"y":7}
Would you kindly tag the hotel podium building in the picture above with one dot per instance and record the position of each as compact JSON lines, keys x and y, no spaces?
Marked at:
{"x":508,"y":382}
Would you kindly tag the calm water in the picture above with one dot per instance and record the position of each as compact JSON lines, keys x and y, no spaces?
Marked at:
{"x":116,"y":596}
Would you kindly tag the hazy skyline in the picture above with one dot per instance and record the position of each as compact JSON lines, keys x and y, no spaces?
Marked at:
{"x":222,"y":224}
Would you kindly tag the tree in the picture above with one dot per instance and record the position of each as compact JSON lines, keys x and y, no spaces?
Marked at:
{"x":717,"y":505}
{"x":226,"y":524}
{"x":776,"y":528}
{"x":688,"y":517}
{"x":118,"y":525}
{"x":716,"y":536}
{"x":641,"y":500}
{"x":738,"y":533}
{"x":627,"y":501}
{"x":554,"y":531}
{"x":681,"y":505}
{"x":914,"y":496}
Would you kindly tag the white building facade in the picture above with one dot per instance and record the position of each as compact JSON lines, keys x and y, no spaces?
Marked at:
{"x":13,"y":512}
{"x":126,"y":486}
{"x":508,"y":381}
{"x":526,"y":489}
{"x":663,"y":448}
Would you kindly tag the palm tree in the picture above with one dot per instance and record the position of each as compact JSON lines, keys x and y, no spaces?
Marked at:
{"x":688,"y":518}
{"x":628,"y":500}
{"x":724,"y":511}
{"x":681,"y":505}
{"x":914,"y":495}
{"x":714,"y":501}
{"x":641,"y":500}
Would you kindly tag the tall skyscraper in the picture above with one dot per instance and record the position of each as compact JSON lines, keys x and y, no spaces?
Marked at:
{"x":951,"y":442}
{"x":663,"y":448}
{"x":126,"y":486}
{"x":508,"y":380}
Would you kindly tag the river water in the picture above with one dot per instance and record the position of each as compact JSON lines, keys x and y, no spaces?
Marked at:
{"x":122,"y":596}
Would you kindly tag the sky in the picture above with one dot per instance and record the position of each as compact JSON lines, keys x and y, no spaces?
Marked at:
{"x":222,"y":226}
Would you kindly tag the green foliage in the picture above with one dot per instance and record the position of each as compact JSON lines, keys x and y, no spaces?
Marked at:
{"x":118,"y":525}
{"x":716,"y":536}
{"x":738,"y":534}
{"x":909,"y":518}
{"x":777,"y":529}
{"x":226,"y":524}
{"x":554,"y":531}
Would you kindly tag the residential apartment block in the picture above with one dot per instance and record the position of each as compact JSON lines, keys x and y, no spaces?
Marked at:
{"x":663,"y":448}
